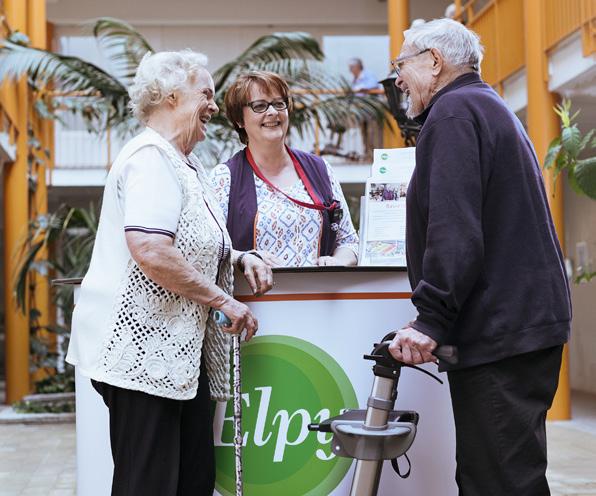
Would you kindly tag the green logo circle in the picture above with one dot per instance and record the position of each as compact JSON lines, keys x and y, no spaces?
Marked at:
{"x":382,"y":170}
{"x":287,"y":383}
{"x":384,"y":156}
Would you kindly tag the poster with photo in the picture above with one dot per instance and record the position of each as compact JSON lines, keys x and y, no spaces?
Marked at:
{"x":383,"y":239}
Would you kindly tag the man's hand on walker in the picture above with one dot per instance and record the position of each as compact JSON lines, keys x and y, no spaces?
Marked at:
{"x":412,"y":347}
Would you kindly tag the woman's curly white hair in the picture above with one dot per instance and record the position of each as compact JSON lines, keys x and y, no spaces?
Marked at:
{"x":159,"y":75}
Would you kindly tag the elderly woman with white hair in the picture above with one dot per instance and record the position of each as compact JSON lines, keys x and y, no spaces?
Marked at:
{"x":142,"y":329}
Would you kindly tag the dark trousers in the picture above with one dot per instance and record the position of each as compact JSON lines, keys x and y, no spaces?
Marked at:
{"x":160,"y":447}
{"x":500,"y":412}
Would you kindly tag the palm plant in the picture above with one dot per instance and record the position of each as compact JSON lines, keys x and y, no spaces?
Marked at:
{"x":67,"y":235}
{"x":101,"y":99}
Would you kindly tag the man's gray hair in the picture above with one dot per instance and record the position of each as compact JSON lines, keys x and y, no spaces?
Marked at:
{"x":459,"y":45}
{"x":159,"y":75}
{"x":356,"y":61}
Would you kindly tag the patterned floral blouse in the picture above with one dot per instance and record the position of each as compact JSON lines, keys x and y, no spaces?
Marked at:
{"x":283,"y":228}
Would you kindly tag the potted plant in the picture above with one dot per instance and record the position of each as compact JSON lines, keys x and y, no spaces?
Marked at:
{"x":563,"y":156}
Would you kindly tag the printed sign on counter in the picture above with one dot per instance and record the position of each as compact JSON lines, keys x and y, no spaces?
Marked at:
{"x":383,"y":232}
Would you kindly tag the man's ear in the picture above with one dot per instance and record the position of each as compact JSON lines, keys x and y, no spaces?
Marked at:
{"x":438,"y":61}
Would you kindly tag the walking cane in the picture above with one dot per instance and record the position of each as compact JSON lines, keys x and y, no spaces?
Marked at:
{"x":223,"y":320}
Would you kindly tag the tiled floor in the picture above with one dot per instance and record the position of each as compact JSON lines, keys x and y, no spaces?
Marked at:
{"x":572,"y":450}
{"x":39,"y":460}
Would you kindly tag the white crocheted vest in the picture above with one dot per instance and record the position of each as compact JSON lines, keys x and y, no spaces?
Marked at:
{"x":156,"y":337}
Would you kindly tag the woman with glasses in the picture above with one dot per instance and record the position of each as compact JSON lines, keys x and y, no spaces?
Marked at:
{"x":281,"y":204}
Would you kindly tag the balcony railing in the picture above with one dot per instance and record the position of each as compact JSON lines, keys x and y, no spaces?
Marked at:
{"x":77,"y":149}
{"x":564,"y":17}
{"x":500,"y":25}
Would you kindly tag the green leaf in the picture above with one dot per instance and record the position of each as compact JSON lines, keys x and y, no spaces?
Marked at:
{"x":124,"y":45}
{"x":270,"y":48}
{"x":553,"y":151}
{"x":585,"y":173}
{"x":572,"y":181}
{"x":561,"y":163}
{"x":571,"y":139}
{"x":562,"y":110}
{"x":586,"y":139}
{"x":20,"y":286}
{"x":68,"y":74}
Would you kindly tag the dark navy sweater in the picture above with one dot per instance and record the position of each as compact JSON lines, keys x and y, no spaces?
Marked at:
{"x":484,"y":262}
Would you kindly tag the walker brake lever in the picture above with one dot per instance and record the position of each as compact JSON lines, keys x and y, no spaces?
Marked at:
{"x":420,"y":369}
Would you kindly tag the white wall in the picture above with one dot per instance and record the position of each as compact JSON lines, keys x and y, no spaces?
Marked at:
{"x":239,"y":12}
{"x":580,"y":225}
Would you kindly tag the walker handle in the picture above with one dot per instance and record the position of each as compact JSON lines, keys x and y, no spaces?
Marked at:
{"x":446,"y":352}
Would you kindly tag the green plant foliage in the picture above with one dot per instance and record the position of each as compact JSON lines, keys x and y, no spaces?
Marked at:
{"x":35,"y":407}
{"x":564,"y":151}
{"x":67,"y":236}
{"x":69,"y":74}
{"x":585,"y":277}
{"x":57,"y":383}
{"x":125,"y":45}
{"x":585,"y":175}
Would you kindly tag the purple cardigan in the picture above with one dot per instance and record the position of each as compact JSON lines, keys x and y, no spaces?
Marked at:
{"x":242,"y":204}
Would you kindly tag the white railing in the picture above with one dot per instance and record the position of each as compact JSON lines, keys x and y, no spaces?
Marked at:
{"x":77,"y":149}
{"x":83,"y":158}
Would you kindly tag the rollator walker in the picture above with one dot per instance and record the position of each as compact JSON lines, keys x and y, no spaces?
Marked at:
{"x":378,"y":433}
{"x":370,"y":436}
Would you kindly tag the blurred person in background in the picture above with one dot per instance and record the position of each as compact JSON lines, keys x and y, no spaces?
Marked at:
{"x":363,"y":79}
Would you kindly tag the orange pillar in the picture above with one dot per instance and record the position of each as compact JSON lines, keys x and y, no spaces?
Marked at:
{"x":41,"y":292}
{"x":398,"y":20}
{"x":543,"y":127}
{"x":16,"y":217}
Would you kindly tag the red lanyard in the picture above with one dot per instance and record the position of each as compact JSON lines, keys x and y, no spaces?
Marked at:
{"x":317,"y":205}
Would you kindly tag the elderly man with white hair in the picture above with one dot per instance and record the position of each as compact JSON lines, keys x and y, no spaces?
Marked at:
{"x":484,"y":263}
{"x":142,"y":329}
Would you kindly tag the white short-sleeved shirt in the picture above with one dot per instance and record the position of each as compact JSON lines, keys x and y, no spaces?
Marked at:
{"x":146,"y":176}
{"x":128,"y":331}
{"x":283,"y":228}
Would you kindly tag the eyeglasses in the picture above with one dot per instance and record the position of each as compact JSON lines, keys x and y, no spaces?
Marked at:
{"x":398,"y":62}
{"x":261,"y":106}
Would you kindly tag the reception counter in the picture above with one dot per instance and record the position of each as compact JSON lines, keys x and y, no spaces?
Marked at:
{"x":304,"y":365}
